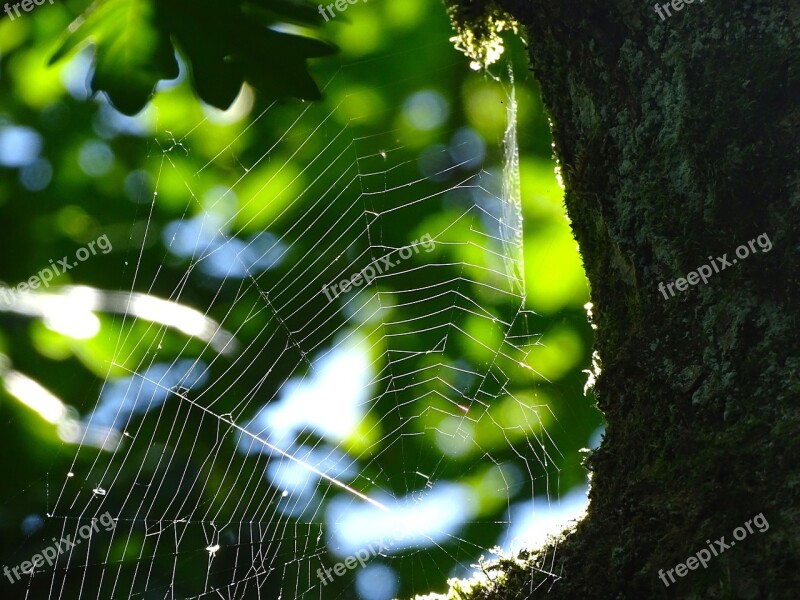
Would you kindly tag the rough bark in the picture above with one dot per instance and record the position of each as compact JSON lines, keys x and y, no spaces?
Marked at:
{"x":678,"y":141}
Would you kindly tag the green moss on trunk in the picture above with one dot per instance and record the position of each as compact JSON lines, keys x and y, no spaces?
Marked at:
{"x":678,"y":141}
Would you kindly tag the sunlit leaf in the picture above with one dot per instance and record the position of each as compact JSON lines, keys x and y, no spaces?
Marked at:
{"x":224,"y":45}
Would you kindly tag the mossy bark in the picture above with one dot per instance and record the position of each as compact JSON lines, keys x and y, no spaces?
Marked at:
{"x":678,"y":140}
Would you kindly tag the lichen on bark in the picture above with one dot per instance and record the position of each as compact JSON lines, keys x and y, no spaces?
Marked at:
{"x":479,"y":27}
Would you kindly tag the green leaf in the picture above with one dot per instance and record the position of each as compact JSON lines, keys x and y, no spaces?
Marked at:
{"x":132,"y":55}
{"x":225,"y":46}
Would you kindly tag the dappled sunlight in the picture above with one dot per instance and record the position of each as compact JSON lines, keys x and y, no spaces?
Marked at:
{"x":124,"y":398}
{"x":418,"y":520}
{"x":53,"y":410}
{"x":346,"y":327}
{"x":60,"y":304}
{"x":532,"y":522}
{"x":35,"y":396}
{"x":329,"y":403}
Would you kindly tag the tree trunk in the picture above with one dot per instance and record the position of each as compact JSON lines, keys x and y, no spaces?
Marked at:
{"x":678,"y":140}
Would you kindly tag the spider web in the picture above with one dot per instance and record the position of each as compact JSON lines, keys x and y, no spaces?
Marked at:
{"x":286,"y":431}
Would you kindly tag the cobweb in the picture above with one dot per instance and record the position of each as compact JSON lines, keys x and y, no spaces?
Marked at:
{"x":273,"y":432}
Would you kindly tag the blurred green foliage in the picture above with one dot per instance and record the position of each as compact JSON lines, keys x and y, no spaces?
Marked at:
{"x":340,"y":182}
